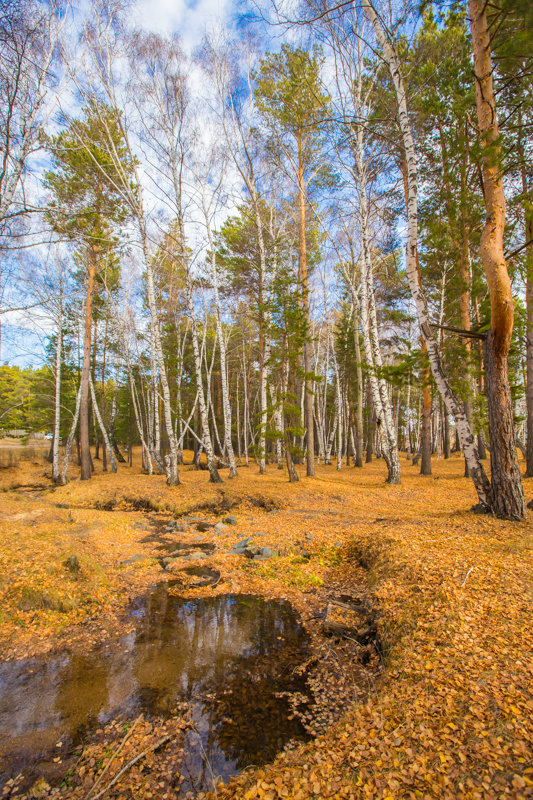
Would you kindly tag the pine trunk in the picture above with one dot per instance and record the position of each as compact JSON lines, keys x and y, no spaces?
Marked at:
{"x":85,"y":453}
{"x":507,"y":496}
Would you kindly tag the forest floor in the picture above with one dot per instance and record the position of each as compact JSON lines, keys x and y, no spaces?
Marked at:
{"x":444,"y":711}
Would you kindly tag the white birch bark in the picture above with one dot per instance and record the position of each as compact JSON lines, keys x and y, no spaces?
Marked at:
{"x":105,"y":437}
{"x":338,"y":405}
{"x":214,"y":477}
{"x":171,"y":465}
{"x":56,"y":476}
{"x":146,"y":457}
{"x":246,"y":405}
{"x":100,"y":45}
{"x":70,"y":439}
{"x":453,"y":406}
{"x":226,"y":405}
{"x":331,"y":439}
{"x":369,"y":325}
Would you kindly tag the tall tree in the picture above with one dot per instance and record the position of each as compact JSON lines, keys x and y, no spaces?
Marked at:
{"x":507,"y":495}
{"x":86,"y":208}
{"x":293,"y":102}
{"x":392,"y":60}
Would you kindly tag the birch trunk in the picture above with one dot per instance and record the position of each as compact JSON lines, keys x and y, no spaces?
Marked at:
{"x":278,"y":421}
{"x":112,"y":438}
{"x":528,"y":234}
{"x":369,"y":325}
{"x":214,"y":476}
{"x":338,"y":405}
{"x":70,"y":439}
{"x":408,"y":419}
{"x":359,"y":392}
{"x":101,"y":425}
{"x":226,"y":405}
{"x":453,"y":406}
{"x":146,"y":456}
{"x":171,"y":464}
{"x":246,"y":405}
{"x":85,"y":452}
{"x":56,"y":476}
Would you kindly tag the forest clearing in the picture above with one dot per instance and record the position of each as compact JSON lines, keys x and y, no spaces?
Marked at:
{"x":266,"y":399}
{"x":437,"y":705}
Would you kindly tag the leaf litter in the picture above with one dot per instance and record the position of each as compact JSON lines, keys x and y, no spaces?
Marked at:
{"x":443,"y":710}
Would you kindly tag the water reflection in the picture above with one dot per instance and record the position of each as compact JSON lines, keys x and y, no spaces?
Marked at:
{"x":229,"y":656}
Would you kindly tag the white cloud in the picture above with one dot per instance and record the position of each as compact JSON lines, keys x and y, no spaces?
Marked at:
{"x":190,"y":20}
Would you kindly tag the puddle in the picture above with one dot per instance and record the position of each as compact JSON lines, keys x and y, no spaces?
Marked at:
{"x":231,"y":657}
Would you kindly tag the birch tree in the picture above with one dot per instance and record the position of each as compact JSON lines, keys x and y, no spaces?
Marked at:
{"x":454,"y":407}
{"x":104,"y":46}
{"x":29,"y":35}
{"x":87,"y":208}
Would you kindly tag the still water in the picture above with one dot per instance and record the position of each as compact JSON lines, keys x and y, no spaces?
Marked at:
{"x":234,"y":658}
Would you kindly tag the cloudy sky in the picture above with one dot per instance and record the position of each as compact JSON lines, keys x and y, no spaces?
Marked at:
{"x":189,"y":19}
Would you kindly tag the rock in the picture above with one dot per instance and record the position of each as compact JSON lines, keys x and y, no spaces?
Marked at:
{"x":273,"y":511}
{"x":268,"y":552}
{"x":230,"y":520}
{"x":204,"y":526}
{"x":133,"y":559}
{"x":252,"y":550}
{"x":530,"y":504}
{"x":309,"y":537}
{"x":244,"y":542}
{"x":220,"y":527}
{"x":337,"y":544}
{"x":72,"y":564}
{"x":260,"y":533}
{"x":260,"y":553}
{"x":196,"y":554}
